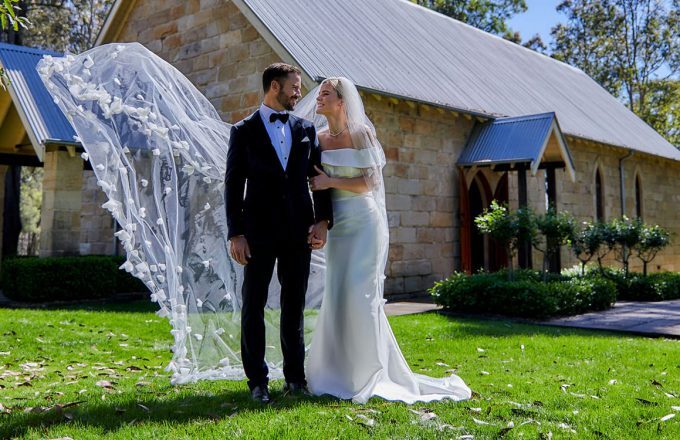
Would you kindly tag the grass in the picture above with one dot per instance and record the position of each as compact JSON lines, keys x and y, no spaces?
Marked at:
{"x":548,"y":382}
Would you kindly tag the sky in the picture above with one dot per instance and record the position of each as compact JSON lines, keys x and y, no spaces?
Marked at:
{"x":539,"y":19}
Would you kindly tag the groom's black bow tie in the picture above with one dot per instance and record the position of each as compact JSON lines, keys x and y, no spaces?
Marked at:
{"x":283,"y":117}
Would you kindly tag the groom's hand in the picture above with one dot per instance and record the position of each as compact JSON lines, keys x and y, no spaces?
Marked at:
{"x":239,"y":249}
{"x":317,"y":234}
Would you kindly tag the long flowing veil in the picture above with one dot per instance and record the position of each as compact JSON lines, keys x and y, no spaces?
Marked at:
{"x":158,"y":149}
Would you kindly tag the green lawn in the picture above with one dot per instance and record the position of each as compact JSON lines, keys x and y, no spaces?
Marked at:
{"x":98,"y":372}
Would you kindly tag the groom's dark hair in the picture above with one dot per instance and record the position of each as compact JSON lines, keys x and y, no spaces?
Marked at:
{"x":277,"y":72}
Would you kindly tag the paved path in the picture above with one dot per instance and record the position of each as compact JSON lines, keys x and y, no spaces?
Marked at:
{"x":408,"y":308}
{"x":649,"y":318}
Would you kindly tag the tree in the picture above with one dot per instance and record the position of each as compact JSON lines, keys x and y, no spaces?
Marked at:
{"x":626,"y":236}
{"x":557,"y":229}
{"x":630,"y":47}
{"x":663,"y":108}
{"x":652,"y":240}
{"x":31,"y":201}
{"x":586,"y":41}
{"x":585,"y":243}
{"x":487,"y":15}
{"x":509,"y":229}
{"x":11,"y":20}
{"x":62,"y":25}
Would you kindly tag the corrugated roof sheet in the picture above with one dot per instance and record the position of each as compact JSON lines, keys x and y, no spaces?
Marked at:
{"x":507,"y":140}
{"x":397,"y":47}
{"x":514,"y":140}
{"x":38,"y":111}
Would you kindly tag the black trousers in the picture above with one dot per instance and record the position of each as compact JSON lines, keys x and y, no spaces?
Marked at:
{"x":293,"y":275}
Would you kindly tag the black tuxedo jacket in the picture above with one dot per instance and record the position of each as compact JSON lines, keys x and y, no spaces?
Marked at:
{"x":277,"y":204}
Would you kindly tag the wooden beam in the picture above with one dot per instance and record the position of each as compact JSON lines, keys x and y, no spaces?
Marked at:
{"x":23,"y":160}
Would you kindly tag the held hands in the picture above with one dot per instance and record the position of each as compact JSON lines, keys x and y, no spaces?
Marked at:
{"x":317,"y":235}
{"x":320,"y":181}
{"x":239,"y":249}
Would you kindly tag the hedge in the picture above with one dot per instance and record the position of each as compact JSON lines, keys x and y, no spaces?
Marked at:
{"x":32,"y":279}
{"x":527,"y":296}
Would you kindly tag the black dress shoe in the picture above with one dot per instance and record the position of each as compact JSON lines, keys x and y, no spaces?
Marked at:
{"x":261,"y":394}
{"x":296,"y":389}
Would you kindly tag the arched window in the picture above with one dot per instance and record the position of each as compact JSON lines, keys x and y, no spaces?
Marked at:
{"x":638,"y":197}
{"x":599,"y":197}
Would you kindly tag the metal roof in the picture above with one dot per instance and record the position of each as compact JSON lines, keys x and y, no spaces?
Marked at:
{"x":43,"y":120}
{"x":514,"y":141}
{"x":399,"y":48}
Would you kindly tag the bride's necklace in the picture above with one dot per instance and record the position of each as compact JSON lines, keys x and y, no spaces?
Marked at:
{"x":330,"y":132}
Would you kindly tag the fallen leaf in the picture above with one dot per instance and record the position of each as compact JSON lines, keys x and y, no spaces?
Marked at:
{"x":480,"y":422}
{"x":366,"y":421}
{"x":145,"y":408}
{"x":566,"y":427}
{"x":105,"y":384}
{"x":667,"y":417}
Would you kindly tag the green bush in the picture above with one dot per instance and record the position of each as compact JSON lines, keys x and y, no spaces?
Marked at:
{"x":34,"y":279}
{"x":527,"y":296}
{"x":660,"y":286}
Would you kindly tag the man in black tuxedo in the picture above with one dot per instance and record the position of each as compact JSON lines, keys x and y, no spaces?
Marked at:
{"x":275,"y":153}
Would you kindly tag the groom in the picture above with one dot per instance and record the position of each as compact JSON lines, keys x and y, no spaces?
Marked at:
{"x":276,"y":220}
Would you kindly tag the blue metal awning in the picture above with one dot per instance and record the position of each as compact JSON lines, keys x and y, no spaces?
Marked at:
{"x":43,"y":120}
{"x":531,"y":140}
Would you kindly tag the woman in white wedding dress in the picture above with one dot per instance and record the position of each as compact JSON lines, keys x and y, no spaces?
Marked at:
{"x":354,"y":354}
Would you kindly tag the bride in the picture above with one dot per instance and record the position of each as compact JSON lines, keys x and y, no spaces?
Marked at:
{"x":353,"y":354}
{"x":158,"y":149}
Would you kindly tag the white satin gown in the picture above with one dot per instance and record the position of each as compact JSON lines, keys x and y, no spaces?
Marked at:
{"x":354,"y":354}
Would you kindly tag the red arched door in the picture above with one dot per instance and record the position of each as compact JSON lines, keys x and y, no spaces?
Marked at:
{"x":477,"y":251}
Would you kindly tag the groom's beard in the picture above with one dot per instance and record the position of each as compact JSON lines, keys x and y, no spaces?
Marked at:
{"x":287,"y":102}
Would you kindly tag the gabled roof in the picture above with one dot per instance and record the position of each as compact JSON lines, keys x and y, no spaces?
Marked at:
{"x":398,"y":48}
{"x":529,"y":140}
{"x":43,"y":120}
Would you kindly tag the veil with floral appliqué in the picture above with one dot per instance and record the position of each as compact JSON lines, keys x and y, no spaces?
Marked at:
{"x":158,"y":149}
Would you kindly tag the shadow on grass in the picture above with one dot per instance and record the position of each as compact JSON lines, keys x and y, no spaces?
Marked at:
{"x":137,"y":304}
{"x":499,"y":326}
{"x":172,"y":410}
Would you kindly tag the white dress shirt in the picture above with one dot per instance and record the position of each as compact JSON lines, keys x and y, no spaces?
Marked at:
{"x":279,"y":133}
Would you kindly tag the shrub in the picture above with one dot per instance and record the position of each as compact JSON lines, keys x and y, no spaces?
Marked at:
{"x":34,"y":279}
{"x":527,"y":296}
{"x":662,"y":286}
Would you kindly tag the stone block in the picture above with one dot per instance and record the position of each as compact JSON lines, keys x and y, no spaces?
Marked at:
{"x":411,"y":218}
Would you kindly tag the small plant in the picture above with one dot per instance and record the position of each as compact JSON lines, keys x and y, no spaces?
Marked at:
{"x":652,"y":240}
{"x":557,"y":229}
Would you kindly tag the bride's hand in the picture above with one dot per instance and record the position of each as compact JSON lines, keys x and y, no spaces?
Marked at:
{"x":320,"y":181}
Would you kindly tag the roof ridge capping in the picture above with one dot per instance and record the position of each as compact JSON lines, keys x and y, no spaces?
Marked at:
{"x":509,"y":119}
{"x":490,"y":35}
